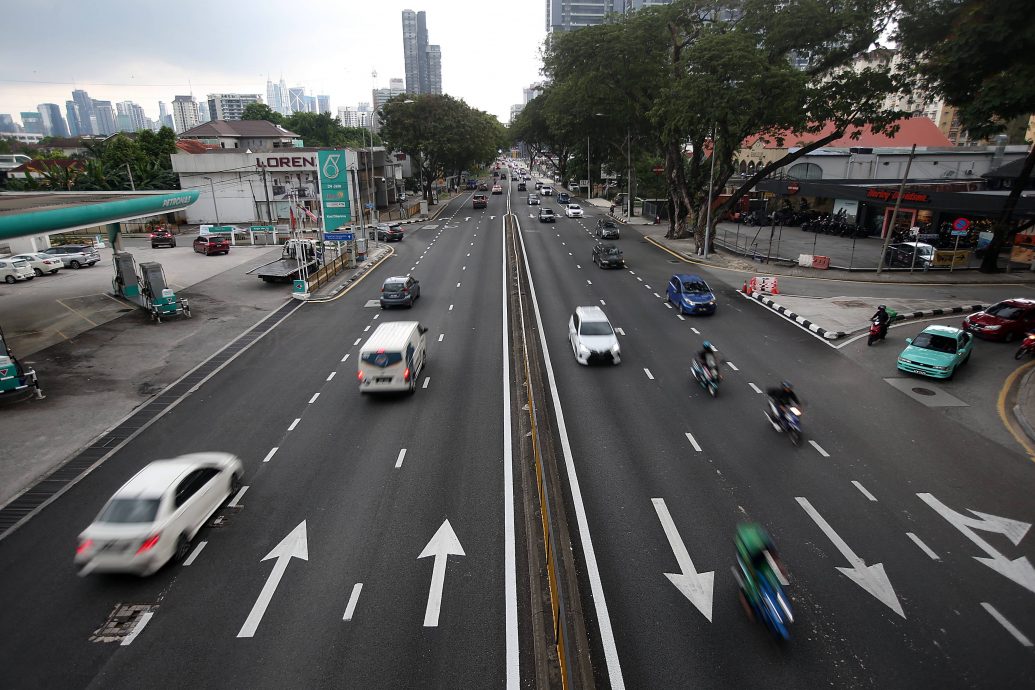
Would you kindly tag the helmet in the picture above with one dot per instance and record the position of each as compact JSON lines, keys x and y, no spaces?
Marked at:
{"x":707,"y":345}
{"x":786,"y":385}
{"x":881,"y":308}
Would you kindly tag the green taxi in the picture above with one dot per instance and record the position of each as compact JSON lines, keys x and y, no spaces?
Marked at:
{"x":938,"y":351}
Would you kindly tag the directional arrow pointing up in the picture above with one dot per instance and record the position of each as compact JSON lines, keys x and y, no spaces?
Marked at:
{"x":695,"y":586}
{"x":293,"y":545}
{"x":443,"y":545}
{"x":872,"y":578}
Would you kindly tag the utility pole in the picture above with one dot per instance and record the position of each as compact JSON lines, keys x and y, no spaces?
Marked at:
{"x":589,"y":180}
{"x":131,"y":184}
{"x":894,"y":214}
{"x":708,"y":216}
{"x":269,"y":207}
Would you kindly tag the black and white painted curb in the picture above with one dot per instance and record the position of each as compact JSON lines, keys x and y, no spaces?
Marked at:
{"x":835,"y":335}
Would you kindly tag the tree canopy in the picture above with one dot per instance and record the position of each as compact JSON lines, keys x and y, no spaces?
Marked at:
{"x":315,"y":129}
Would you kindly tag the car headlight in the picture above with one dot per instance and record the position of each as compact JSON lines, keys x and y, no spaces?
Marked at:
{"x":583,"y":349}
{"x":939,"y":368}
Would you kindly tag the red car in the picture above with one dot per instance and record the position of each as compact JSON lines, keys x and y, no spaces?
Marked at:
{"x":212,"y":244}
{"x":1006,"y":321}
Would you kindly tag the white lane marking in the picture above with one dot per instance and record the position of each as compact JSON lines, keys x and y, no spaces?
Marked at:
{"x":464,"y":268}
{"x":413,"y":268}
{"x":639,"y":279}
{"x":195,"y":553}
{"x":693,"y":441}
{"x":458,"y":284}
{"x":649,"y":375}
{"x":399,"y":460}
{"x":647,"y":286}
{"x":1010,"y":628}
{"x":864,"y":492}
{"x":924,"y":547}
{"x":377,"y":316}
{"x":237,"y":499}
{"x":509,"y":541}
{"x":138,"y":628}
{"x":819,"y":448}
{"x":695,"y":330}
{"x":294,"y":424}
{"x":358,"y":341}
{"x":589,"y":282}
{"x":732,"y":366}
{"x":366,"y":329}
{"x":331,"y":375}
{"x":563,"y":244}
{"x":313,"y":399}
{"x":656,"y":294}
{"x":577,"y":266}
{"x":754,"y":387}
{"x":468,"y":254}
{"x":441,"y":336}
{"x":353,"y":598}
{"x":606,"y":631}
{"x":679,"y":316}
{"x":603,"y":303}
{"x":450,"y":307}
{"x":427,"y":380}
{"x":270,"y":454}
{"x":417,"y":262}
{"x":345,"y":357}
{"x":619,"y":331}
{"x":668,"y":305}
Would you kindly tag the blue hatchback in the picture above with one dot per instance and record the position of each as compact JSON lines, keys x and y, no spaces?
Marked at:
{"x":690,"y":294}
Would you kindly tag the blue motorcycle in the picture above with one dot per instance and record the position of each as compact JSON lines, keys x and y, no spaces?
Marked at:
{"x":787,"y":420}
{"x":763,"y":596}
{"x":706,"y":377}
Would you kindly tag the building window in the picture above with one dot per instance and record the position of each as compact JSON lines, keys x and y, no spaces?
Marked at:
{"x":805,"y":171}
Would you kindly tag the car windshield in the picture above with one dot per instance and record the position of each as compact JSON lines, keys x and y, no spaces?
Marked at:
{"x":129,"y":510}
{"x":595,"y":328}
{"x":695,"y":287}
{"x":1005,"y":311}
{"x":394,"y":287}
{"x":612,"y":251}
{"x":933,"y":341}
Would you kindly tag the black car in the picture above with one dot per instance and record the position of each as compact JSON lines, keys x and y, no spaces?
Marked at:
{"x":607,"y":230}
{"x":162,"y":237}
{"x":389,"y":233}
{"x":608,"y":256}
{"x":546,"y":215}
{"x":522,"y":187}
{"x":399,"y":291}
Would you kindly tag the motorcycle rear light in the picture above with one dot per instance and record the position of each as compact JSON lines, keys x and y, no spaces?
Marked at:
{"x":83,"y":545}
{"x":406,"y":374}
{"x":359,"y":375}
{"x":148,"y":544}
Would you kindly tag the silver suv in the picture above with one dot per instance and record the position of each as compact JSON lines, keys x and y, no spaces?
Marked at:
{"x":75,"y":255}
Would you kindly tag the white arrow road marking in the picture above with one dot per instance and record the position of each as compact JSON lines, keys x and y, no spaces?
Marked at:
{"x":923,"y":547}
{"x":1010,"y":628}
{"x":237,"y":499}
{"x":619,"y":331}
{"x":1019,"y":570}
{"x":138,"y":628}
{"x":697,"y":587}
{"x":693,"y":441}
{"x":871,"y":578}
{"x":864,"y":492}
{"x":294,"y":545}
{"x":649,"y":375}
{"x":443,"y":545}
{"x":270,"y":454}
{"x":350,"y":608}
{"x":755,"y":388}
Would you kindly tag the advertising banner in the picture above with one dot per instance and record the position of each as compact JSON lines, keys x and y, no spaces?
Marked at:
{"x":1023,"y":251}
{"x":334,"y":189}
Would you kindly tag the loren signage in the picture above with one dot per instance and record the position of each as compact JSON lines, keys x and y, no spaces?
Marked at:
{"x":307,"y":162}
{"x":888,"y":195}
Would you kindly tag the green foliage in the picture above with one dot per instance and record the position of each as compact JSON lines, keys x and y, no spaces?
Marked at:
{"x":261,"y":111}
{"x":320,"y":129}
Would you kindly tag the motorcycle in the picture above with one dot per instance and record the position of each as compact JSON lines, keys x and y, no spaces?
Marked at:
{"x":789,"y":421}
{"x":877,"y":332}
{"x":764,"y":598}
{"x":1027,"y":346}
{"x":706,"y":377}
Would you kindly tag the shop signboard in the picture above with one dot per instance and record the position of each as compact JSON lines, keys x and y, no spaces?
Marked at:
{"x":334,"y":189}
{"x":945,"y":258}
{"x":1023,"y":251}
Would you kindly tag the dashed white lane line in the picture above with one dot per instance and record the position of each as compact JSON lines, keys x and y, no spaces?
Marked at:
{"x":639,"y":279}
{"x":632,"y":273}
{"x":570,"y":254}
{"x":589,"y":282}
{"x":138,"y":628}
{"x":819,"y":448}
{"x":647,"y":286}
{"x":270,"y":454}
{"x":754,"y":387}
{"x":655,"y":294}
{"x":862,"y":489}
{"x":450,"y":307}
{"x":733,"y":366}
{"x":358,"y":341}
{"x":603,"y":303}
{"x":345,"y":357}
{"x":331,"y":375}
{"x":458,"y":284}
{"x":679,"y":316}
{"x":313,"y":399}
{"x":619,"y":331}
{"x":924,"y":547}
{"x":237,"y":499}
{"x":195,"y":553}
{"x":464,"y":268}
{"x":441,"y":336}
{"x":399,"y":460}
{"x":693,"y":441}
{"x":649,"y":375}
{"x":577,"y":266}
{"x":353,"y":598}
{"x":1010,"y":627}
{"x":427,"y":380}
{"x":294,"y":424}
{"x":668,"y":305}
{"x":695,"y":330}
{"x":377,"y":316}
{"x":468,"y":254}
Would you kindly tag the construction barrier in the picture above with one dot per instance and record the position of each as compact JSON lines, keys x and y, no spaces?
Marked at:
{"x":821,"y":262}
{"x":764,"y":284}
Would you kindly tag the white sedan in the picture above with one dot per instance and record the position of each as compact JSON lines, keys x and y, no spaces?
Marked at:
{"x":41,"y":263}
{"x":573,"y":211}
{"x":155,"y":515}
{"x":592,"y":339}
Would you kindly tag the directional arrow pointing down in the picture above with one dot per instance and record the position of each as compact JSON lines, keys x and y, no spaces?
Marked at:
{"x":872,"y":578}
{"x":293,"y":545}
{"x":695,"y":586}
{"x":443,"y":545}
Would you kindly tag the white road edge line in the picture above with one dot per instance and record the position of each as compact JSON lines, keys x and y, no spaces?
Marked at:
{"x":237,"y":499}
{"x":819,"y":449}
{"x":647,"y":372}
{"x":195,"y":553}
{"x":864,"y":492}
{"x":270,"y":454}
{"x":1010,"y":627}
{"x":693,"y":441}
{"x":513,"y":659}
{"x":607,"y":636}
{"x":427,"y":380}
{"x":924,"y":547}
{"x":313,"y":399}
{"x":350,"y":608}
{"x":754,"y":387}
{"x":138,"y":628}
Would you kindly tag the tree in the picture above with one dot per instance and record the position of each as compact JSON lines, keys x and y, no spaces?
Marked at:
{"x":261,"y":111}
{"x":978,"y":55}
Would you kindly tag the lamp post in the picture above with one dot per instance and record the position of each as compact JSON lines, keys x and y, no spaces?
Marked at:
{"x":628,"y":173}
{"x":215,"y":205}
{"x":708,"y":216}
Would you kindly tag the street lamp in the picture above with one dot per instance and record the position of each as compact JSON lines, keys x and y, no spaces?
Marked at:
{"x":215,"y":205}
{"x":708,"y":216}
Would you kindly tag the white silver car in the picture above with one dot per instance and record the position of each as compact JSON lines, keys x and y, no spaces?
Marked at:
{"x":13,"y":270}
{"x":592,"y":339}
{"x":573,"y":211}
{"x":156,"y":514}
{"x":41,"y":263}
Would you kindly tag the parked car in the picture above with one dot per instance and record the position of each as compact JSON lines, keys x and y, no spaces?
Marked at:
{"x":497,"y":189}
{"x":546,"y":215}
{"x":41,"y":263}
{"x":607,"y":230}
{"x":212,"y":244}
{"x":592,"y":339}
{"x":75,"y":255}
{"x":389,"y":233}
{"x":608,"y":256}
{"x":909,"y":254}
{"x":154,"y":516}
{"x":563,"y":198}
{"x":162,"y":237}
{"x":399,"y":291}
{"x":533,"y":199}
{"x":938,"y":351}
{"x":480,"y":201}
{"x":13,"y":270}
{"x":573,"y":211}
{"x":690,"y":294}
{"x":1004,"y":321}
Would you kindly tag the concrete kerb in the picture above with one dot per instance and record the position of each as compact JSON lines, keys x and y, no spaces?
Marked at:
{"x":370,"y":264}
{"x":1018,"y":409}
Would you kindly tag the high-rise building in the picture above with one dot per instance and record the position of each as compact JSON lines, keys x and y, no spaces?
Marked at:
{"x":310,"y":104}
{"x":296,"y":99}
{"x":351,"y":117}
{"x":203,"y":112}
{"x":53,"y":123}
{"x":423,"y":62}
{"x":515,"y":110}
{"x":434,"y":70}
{"x":86,"y":120}
{"x":131,"y":117}
{"x":7,"y":123}
{"x":323,"y":104}
{"x":530,"y":92}
{"x":104,"y":116}
{"x":185,"y":114}
{"x":230,"y":106}
{"x":165,"y":118}
{"x":565,"y":15}
{"x":32,"y":122}
{"x":274,"y":97}
{"x":72,"y":117}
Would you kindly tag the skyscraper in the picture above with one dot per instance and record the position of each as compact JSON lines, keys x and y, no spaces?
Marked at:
{"x":296,"y":100}
{"x":185,"y":114}
{"x":565,"y":15}
{"x":72,"y":116}
{"x":230,"y":106}
{"x":53,"y":123}
{"x":323,"y":104}
{"x":104,"y":116}
{"x":131,"y":117}
{"x":434,"y":56}
{"x":7,"y":123}
{"x":32,"y":122}
{"x":275,"y":98}
{"x":165,"y":118}
{"x":203,"y":114}
{"x":423,"y":61}
{"x":86,"y":120}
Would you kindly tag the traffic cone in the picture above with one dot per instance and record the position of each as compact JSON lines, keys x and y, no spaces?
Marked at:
{"x":745,"y":288}
{"x":776,"y":287}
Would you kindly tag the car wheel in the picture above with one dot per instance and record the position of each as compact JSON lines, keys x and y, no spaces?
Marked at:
{"x":37,"y":271}
{"x":75,"y":264}
{"x":235,"y":484}
{"x":11,"y":280}
{"x":1009,"y":337}
{"x":173,"y":244}
{"x":182,"y":548}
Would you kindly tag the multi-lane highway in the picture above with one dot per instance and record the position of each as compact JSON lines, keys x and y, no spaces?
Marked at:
{"x":379,"y":542}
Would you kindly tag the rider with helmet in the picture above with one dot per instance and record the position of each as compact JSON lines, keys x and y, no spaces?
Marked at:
{"x":781,"y":398}
{"x":883,"y":318}
{"x":758,"y":560}
{"x":708,"y":358}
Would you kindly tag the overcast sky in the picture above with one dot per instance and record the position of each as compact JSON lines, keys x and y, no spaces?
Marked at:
{"x":144,"y":51}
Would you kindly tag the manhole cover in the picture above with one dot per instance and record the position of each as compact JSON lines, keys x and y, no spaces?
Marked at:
{"x":924,"y":391}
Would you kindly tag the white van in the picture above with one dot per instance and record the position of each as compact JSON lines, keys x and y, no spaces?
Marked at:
{"x":393,"y":357}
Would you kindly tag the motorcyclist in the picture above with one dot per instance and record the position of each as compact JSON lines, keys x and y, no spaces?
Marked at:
{"x":708,"y":358}
{"x":883,"y":318}
{"x":758,"y":558}
{"x":780,"y":398}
